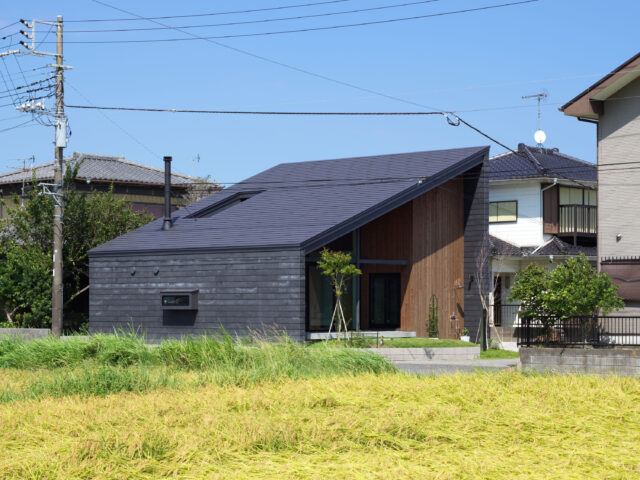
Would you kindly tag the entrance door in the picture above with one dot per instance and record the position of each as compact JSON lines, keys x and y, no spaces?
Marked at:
{"x":384,"y":301}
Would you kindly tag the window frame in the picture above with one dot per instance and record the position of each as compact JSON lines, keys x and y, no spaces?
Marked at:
{"x":503,"y":221}
{"x":372,"y":277}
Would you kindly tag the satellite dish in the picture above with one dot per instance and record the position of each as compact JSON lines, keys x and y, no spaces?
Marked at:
{"x":539,"y":137}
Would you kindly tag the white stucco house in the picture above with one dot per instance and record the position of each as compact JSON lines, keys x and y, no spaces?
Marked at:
{"x":543,"y":209}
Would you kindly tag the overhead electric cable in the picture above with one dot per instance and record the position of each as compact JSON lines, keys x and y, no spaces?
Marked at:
{"x":265,"y":20}
{"x":213,"y":14}
{"x":247,"y":112}
{"x":301,"y":30}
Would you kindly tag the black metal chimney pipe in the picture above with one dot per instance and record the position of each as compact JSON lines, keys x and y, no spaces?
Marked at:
{"x":166,"y":224}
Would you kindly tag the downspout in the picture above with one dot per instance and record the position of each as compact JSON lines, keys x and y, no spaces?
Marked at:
{"x":555,"y":182}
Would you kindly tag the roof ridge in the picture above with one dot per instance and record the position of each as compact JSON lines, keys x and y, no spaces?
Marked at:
{"x":360,"y":157}
{"x":121,"y":159}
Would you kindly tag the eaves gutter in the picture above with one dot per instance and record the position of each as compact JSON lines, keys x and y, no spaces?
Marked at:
{"x":394,"y":202}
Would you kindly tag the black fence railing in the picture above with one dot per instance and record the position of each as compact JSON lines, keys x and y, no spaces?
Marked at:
{"x":590,"y":330}
{"x":505,"y":314}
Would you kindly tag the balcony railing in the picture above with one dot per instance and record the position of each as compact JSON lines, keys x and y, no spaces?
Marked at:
{"x":578,"y":220}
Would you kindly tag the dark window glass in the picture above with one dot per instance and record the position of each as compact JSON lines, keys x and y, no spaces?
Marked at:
{"x":175,"y":300}
{"x":384,"y":298}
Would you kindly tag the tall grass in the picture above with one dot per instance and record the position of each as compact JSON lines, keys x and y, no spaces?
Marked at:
{"x":107,"y":364}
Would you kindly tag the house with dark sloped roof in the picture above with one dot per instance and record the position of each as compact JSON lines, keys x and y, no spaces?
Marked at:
{"x":245,"y":258}
{"x":542,"y":209}
{"x":141,"y":185}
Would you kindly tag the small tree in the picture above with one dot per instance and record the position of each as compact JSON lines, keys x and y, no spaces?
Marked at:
{"x":338,"y":268}
{"x":577,"y":289}
{"x":432,"y":321}
{"x":574,"y":288}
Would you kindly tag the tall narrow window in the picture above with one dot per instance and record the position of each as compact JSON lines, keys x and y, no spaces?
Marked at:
{"x":501,"y":212}
{"x":384,"y":298}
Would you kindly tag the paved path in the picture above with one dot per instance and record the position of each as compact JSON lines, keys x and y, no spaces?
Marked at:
{"x":436,"y":367}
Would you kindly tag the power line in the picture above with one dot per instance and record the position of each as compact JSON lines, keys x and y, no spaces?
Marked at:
{"x":154,"y":154}
{"x":267,"y":20}
{"x":247,"y":112}
{"x":301,"y":30}
{"x":16,"y":126}
{"x":213,"y":14}
{"x":10,"y":25}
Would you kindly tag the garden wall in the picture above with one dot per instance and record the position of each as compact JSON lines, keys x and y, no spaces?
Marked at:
{"x":602,"y":361}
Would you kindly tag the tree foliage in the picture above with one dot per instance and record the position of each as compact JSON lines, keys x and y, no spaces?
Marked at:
{"x":573,"y":288}
{"x":26,"y":241}
{"x":338,"y":268}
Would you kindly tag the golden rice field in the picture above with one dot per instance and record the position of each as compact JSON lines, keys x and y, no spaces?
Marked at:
{"x":391,"y":426}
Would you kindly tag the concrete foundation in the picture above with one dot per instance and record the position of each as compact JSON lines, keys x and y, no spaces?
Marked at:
{"x":446,"y":353}
{"x":601,"y":361}
{"x":25,"y":333}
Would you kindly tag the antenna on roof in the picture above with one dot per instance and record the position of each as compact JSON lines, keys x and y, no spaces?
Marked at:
{"x":539,"y":136}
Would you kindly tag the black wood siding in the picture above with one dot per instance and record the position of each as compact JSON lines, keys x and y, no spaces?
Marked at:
{"x":240,"y":291}
{"x":476,"y":227}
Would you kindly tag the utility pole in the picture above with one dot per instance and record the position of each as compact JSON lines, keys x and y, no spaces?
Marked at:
{"x":60,"y":142}
{"x":55,"y":190}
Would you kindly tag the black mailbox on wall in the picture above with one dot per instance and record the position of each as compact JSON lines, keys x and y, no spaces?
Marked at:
{"x":179,"y":299}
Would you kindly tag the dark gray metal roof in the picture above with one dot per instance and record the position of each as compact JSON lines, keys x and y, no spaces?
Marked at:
{"x":535,"y":162}
{"x":304,"y":204}
{"x":98,"y":168}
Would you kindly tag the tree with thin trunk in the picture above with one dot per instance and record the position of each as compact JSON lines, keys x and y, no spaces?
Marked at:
{"x":338,"y":268}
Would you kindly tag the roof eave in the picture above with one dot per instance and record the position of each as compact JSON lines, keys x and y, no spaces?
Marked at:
{"x":581,"y":106}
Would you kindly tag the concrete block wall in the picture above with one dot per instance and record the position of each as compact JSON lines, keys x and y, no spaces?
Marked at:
{"x":602,"y":361}
{"x":447,"y":353}
{"x":240,"y":291}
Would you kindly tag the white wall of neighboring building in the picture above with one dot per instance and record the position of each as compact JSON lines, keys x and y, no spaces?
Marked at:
{"x":527,"y":231}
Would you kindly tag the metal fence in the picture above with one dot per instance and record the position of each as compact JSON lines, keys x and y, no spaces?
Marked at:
{"x":505,"y":315}
{"x":590,"y":330}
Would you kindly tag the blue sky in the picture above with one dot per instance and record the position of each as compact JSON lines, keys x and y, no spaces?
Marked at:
{"x":479,"y":64}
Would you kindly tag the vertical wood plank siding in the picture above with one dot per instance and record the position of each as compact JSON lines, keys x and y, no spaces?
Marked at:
{"x":437,"y":258}
{"x":238,"y":291}
{"x":550,"y":210}
{"x":476,"y":227}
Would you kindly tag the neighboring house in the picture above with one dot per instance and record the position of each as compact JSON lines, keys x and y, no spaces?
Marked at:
{"x":245,"y":258}
{"x":141,"y":185}
{"x":613,"y":104}
{"x":542,"y":209}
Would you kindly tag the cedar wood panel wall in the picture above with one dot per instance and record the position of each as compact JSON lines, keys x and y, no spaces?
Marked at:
{"x":428,"y":234}
{"x":437,"y":257}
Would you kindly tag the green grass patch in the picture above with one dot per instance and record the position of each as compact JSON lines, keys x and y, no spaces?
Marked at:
{"x":107,"y":364}
{"x":409,"y":342}
{"x":493,"y":354}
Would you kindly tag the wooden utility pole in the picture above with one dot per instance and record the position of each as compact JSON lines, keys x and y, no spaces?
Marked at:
{"x":55,"y":190}
{"x":60,"y":141}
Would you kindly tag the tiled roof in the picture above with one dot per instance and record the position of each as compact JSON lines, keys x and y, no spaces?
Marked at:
{"x":535,"y":162}
{"x":100,"y":168}
{"x":553,"y":246}
{"x":301,"y":204}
